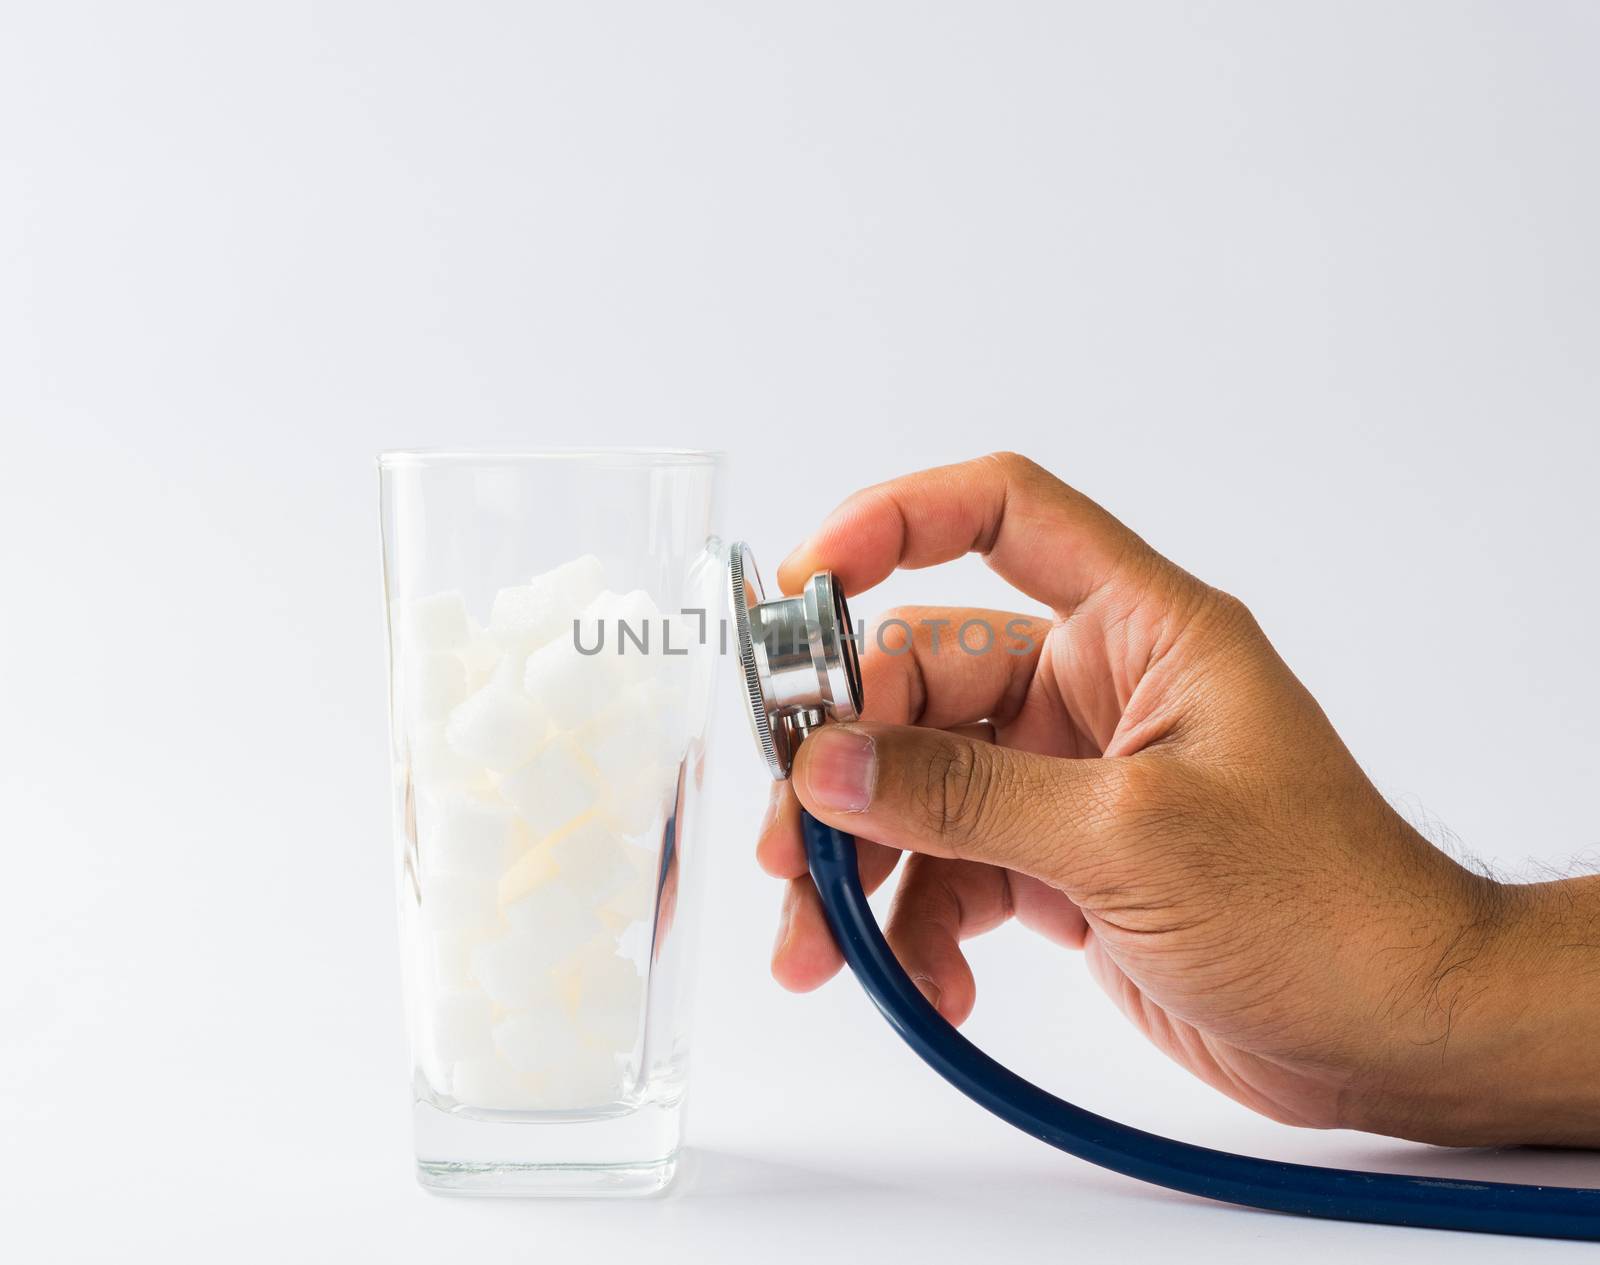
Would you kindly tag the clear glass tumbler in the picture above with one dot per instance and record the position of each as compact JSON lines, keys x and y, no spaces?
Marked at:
{"x":552,"y":619}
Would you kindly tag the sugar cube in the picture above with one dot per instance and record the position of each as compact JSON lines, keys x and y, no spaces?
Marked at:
{"x":639,"y":808}
{"x":635,"y":901}
{"x":624,"y":738}
{"x":480,"y":655}
{"x":593,"y":862}
{"x":435,"y":682}
{"x":460,"y":902}
{"x":573,"y":687}
{"x":448,"y":958}
{"x":563,"y":1072}
{"x":527,"y":616}
{"x":520,"y":621}
{"x":555,"y":914}
{"x":530,"y":870}
{"x":498,"y":727}
{"x":604,"y":994}
{"x":435,"y":764}
{"x":458,"y":1026}
{"x":461,"y":830}
{"x":625,"y":629}
{"x":573,"y":585}
{"x":557,"y":784}
{"x":535,"y":1041}
{"x":514,"y":970}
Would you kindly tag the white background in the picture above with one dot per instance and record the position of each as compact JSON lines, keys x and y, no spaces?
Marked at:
{"x":1309,"y":294}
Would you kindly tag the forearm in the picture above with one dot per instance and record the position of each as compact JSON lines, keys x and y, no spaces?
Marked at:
{"x":1518,"y":1057}
{"x":1549,"y":1000}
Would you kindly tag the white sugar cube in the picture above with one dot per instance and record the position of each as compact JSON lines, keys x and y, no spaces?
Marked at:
{"x":571,"y":686}
{"x":488,"y":1083}
{"x":593,"y":862}
{"x":640,"y":809}
{"x":515,"y":970}
{"x":634,"y":760}
{"x":464,"y":832}
{"x":635,"y":901}
{"x":460,"y":902}
{"x":623,"y":629}
{"x":624,"y":738}
{"x":434,"y":683}
{"x":527,"y":616}
{"x":498,"y":727}
{"x":459,"y":1026}
{"x":532,"y":868}
{"x":520,"y":620}
{"x":435,"y":764}
{"x":680,"y":720}
{"x":556,"y":785}
{"x":605,"y":995}
{"x":555,"y":914}
{"x":573,"y":585}
{"x":448,"y":959}
{"x":480,"y":656}
{"x":636,"y":939}
{"x":439,"y":622}
{"x":536,"y":1042}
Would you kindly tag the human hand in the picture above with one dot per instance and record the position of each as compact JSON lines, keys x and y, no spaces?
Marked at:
{"x":1139,"y":775}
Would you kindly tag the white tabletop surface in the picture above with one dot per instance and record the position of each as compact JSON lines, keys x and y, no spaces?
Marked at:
{"x":1309,"y":294}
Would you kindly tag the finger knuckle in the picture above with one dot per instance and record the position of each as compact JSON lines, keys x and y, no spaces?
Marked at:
{"x":1229,"y":614}
{"x":1014,"y":464}
{"x":1133,"y":796}
{"x":958,"y":789}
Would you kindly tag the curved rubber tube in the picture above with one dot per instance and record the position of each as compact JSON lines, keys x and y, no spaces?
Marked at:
{"x":1487,"y":1207}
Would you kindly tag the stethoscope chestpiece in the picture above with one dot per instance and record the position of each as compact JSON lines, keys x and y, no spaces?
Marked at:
{"x":798,"y":657}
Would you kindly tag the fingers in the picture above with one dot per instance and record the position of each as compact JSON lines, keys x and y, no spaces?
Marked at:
{"x":781,"y":851}
{"x":945,"y":666}
{"x":1047,"y":911}
{"x":924,"y":677}
{"x":1048,"y":540}
{"x":946,"y":795}
{"x":804,"y":956}
{"x":938,"y":904}
{"x":801,"y":958}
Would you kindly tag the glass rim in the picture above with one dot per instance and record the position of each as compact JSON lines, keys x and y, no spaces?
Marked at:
{"x":399,"y":458}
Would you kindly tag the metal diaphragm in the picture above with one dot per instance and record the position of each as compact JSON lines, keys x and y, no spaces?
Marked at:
{"x":797,"y":655}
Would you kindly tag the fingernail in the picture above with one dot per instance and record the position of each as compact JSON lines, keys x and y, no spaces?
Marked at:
{"x":841,"y":769}
{"x":928,"y":989}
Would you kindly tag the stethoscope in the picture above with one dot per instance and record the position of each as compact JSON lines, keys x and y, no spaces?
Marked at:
{"x":799,"y":666}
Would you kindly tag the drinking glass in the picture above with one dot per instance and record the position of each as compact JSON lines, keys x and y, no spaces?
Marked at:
{"x":552,"y":618}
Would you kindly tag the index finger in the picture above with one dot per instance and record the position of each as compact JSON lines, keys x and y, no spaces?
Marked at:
{"x":1049,"y":541}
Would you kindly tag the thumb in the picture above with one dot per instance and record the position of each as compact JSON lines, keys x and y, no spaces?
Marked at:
{"x":926,"y":790}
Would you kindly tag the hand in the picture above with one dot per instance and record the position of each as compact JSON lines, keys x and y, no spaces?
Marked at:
{"x":1140,"y":776}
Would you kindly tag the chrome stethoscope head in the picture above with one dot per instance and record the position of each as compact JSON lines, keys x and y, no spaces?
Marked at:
{"x":798,"y":656}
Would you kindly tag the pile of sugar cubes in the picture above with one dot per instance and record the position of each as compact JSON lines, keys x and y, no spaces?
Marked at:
{"x":542,"y":778}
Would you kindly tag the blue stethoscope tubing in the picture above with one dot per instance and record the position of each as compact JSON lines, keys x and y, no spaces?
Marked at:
{"x":1557,"y":1212}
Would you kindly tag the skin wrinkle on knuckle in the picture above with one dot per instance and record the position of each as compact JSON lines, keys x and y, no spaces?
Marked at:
{"x":957,"y":790}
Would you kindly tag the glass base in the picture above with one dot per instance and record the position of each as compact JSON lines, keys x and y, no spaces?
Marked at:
{"x":627,"y":1153}
{"x":568,"y":1181}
